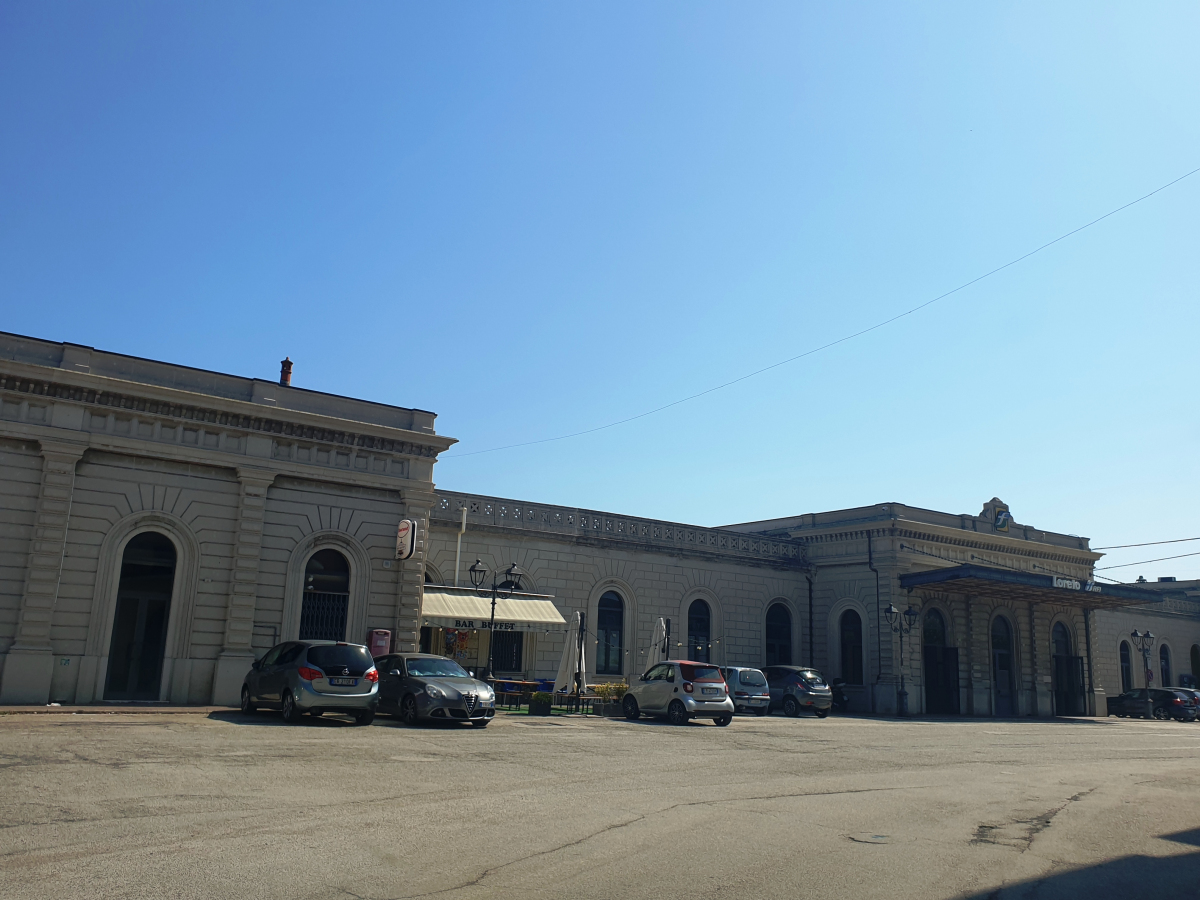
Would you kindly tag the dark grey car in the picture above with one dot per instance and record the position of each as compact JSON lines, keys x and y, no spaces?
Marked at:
{"x":314,"y":677}
{"x":417,"y":686}
{"x":798,"y":688}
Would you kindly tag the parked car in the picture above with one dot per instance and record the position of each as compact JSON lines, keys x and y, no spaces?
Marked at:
{"x":314,"y":677}
{"x":749,"y":689}
{"x":416,"y":686}
{"x":680,"y":690}
{"x":1169,"y":703}
{"x":1195,"y":695}
{"x":798,"y":688}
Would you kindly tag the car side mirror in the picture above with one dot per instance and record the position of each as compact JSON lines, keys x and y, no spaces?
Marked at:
{"x":256,"y":665}
{"x":395,"y":672}
{"x":642,"y":677}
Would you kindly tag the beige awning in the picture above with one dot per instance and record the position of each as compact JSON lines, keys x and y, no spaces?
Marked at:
{"x":448,"y":607}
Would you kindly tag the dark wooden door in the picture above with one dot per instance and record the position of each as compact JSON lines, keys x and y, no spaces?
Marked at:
{"x":941,"y":680}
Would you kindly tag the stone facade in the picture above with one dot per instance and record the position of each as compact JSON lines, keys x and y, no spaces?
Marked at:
{"x":249,"y":479}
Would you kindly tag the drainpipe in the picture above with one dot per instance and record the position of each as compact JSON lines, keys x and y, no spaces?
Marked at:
{"x":458,"y":549}
{"x":811,"y":660}
{"x":878,"y":622}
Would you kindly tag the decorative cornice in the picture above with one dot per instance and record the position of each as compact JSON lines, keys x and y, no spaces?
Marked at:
{"x":185,"y":412}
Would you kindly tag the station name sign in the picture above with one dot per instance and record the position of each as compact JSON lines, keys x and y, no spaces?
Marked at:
{"x":1071,"y":584}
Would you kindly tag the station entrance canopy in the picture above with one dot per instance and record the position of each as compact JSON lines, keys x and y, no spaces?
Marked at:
{"x":449,"y":607}
{"x":985,"y":581}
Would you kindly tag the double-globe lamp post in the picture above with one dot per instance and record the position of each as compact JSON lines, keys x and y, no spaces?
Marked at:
{"x":1144,"y":641}
{"x":901,"y":624}
{"x":509,"y":583}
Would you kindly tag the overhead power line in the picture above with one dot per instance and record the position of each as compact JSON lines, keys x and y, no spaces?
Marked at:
{"x":1147,"y":544}
{"x":1146,"y":562}
{"x":834,"y":343}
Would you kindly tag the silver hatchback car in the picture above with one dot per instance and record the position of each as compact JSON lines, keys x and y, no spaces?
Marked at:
{"x":680,"y":690}
{"x":314,"y":677}
{"x":749,"y":689}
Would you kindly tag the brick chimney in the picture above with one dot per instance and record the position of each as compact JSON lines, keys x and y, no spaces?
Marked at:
{"x":285,"y":372}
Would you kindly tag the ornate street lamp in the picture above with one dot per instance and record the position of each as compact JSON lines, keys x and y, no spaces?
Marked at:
{"x":901,"y":624}
{"x":1144,"y":641}
{"x":510,"y":583}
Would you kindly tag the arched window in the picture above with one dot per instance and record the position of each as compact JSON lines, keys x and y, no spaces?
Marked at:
{"x":326,"y":597}
{"x":139,"y":634}
{"x":779,"y":636}
{"x":1126,"y":669}
{"x":850,"y":631}
{"x":699,"y":631}
{"x":610,"y":626}
{"x":1002,"y":668}
{"x":1164,"y":664}
{"x":934,"y":634}
{"x":1061,"y":640}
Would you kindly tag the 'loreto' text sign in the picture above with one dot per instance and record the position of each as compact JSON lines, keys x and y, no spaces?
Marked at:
{"x":406,"y":538}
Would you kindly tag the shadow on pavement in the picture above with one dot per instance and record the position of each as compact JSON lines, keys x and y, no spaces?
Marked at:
{"x":274,"y":719}
{"x":1129,"y":878}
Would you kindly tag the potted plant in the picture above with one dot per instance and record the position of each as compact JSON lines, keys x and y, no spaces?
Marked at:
{"x":610,"y":693}
{"x":539,"y":704}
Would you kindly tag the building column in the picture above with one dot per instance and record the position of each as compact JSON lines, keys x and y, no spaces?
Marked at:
{"x":238,"y":652}
{"x":30,"y":662}
{"x":410,"y":579}
{"x":1040,"y":662}
{"x":1097,"y":700}
{"x":980,"y":654}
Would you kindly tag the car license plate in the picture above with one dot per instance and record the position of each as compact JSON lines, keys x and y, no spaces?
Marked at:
{"x":343,"y":682}
{"x":708,"y":690}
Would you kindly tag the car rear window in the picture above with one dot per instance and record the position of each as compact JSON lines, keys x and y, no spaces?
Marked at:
{"x":752,"y":678}
{"x":812,"y":676}
{"x":345,"y":656}
{"x":702,"y":673}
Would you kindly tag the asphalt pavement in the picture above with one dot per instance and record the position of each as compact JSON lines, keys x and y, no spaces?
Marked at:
{"x":219,"y":805}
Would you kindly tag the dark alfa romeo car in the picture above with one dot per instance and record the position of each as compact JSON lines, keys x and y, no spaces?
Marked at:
{"x":416,"y":686}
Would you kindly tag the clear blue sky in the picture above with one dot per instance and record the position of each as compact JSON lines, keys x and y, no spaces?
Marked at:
{"x":537,"y":218}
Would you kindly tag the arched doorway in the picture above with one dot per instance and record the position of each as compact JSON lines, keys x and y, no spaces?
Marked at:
{"x":1126,"y":669}
{"x":850,"y":633}
{"x":1003,"y":691}
{"x":1067,"y":674}
{"x":940,"y":666}
{"x":779,"y":635}
{"x":139,"y":635}
{"x":699,"y":631}
{"x":326,"y":597}
{"x":610,"y":626}
{"x":1164,"y":665}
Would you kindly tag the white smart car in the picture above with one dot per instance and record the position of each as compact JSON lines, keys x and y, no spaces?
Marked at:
{"x":680,"y":690}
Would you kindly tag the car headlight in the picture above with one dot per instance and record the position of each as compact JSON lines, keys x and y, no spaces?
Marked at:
{"x":435,"y":692}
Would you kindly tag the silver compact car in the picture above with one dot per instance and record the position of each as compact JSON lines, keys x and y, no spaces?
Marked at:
{"x":749,"y":690}
{"x":680,"y":690}
{"x":314,"y":677}
{"x":416,"y":686}
{"x":798,"y":688}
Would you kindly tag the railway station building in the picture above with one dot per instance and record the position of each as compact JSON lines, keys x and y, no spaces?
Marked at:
{"x":163,"y":526}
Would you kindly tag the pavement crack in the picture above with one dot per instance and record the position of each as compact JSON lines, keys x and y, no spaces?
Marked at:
{"x":1020,"y":833}
{"x":487,"y":873}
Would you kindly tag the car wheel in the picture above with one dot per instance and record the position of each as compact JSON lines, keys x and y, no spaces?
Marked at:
{"x":723,"y":720}
{"x":291,"y":712}
{"x":762,"y":711}
{"x":630,"y":707}
{"x":1160,"y":713}
{"x":791,"y":708}
{"x":364,"y":718}
{"x":480,"y":723}
{"x":248,"y":708}
{"x":677,"y":713}
{"x":408,"y":710}
{"x":821,"y":713}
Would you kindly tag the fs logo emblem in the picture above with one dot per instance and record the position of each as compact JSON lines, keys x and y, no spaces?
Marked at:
{"x":996,"y":512}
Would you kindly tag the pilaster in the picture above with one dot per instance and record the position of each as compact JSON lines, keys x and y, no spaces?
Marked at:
{"x":1040,"y":662}
{"x":410,"y":580}
{"x":1097,"y":698}
{"x":237,"y":653}
{"x":979,"y":652}
{"x":30,"y":662}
